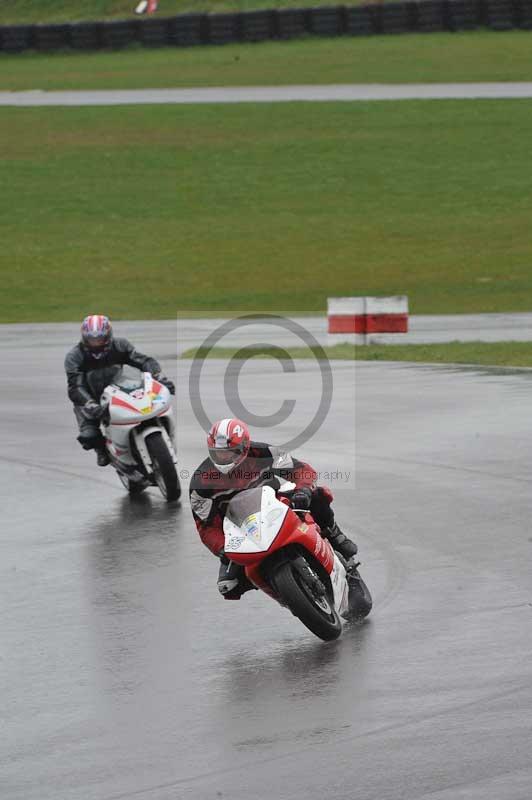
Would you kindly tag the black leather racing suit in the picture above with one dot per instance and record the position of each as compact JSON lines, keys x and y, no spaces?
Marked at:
{"x":79,"y":362}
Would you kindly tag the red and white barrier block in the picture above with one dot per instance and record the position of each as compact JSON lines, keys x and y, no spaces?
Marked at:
{"x":146,"y":7}
{"x":358,"y":320}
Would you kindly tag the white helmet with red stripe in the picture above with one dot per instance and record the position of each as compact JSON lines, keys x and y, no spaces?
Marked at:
{"x":96,"y":335}
{"x":228,"y":443}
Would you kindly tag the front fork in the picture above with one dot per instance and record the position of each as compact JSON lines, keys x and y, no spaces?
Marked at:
{"x":140,"y":436}
{"x":264,"y":574}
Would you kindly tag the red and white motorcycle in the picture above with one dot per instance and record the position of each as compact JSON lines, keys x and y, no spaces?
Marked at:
{"x":284,"y":554}
{"x":138,"y":427}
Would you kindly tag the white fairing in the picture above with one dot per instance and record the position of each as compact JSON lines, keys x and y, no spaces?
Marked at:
{"x":339,"y":585}
{"x":257,"y":531}
{"x":128,"y":408}
{"x":148,"y":400}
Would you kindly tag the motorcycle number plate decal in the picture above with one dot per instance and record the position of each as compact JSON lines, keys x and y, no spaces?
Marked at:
{"x":138,"y":394}
{"x":234,"y":542}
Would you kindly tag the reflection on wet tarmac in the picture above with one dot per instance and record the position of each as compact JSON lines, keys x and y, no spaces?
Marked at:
{"x":126,"y":547}
{"x":299,"y":669}
{"x":125,"y":675}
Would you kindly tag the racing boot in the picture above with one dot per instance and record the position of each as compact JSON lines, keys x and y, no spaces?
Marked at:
{"x":232,"y":581}
{"x":339,"y":541}
{"x":360,"y":601}
{"x":102,"y":457}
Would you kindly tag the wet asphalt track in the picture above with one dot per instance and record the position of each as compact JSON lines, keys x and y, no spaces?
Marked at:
{"x":124,"y":675}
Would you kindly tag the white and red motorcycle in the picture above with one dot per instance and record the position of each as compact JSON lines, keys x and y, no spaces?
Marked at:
{"x":284,"y":554}
{"x":138,"y":426}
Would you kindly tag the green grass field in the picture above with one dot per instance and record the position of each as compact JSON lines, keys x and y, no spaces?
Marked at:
{"x":24,"y":11}
{"x":218,"y":209}
{"x":475,"y":56}
{"x":506,"y":354}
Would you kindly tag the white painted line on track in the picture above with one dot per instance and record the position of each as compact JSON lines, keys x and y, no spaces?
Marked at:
{"x":270,"y":94}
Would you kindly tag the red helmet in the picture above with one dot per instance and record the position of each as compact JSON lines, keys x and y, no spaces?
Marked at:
{"x":96,"y":335}
{"x":228,"y":443}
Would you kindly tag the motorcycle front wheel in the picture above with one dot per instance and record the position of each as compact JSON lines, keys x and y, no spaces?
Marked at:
{"x":315,"y":611}
{"x":164,"y":470}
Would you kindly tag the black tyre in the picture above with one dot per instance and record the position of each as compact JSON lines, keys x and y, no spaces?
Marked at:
{"x":360,"y":601}
{"x":164,"y":470}
{"x":314,"y":610}
{"x":134,"y":487}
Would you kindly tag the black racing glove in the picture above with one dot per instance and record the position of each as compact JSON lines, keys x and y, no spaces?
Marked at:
{"x":166,"y":382}
{"x":273,"y":482}
{"x":301,"y":498}
{"x":93,"y":410}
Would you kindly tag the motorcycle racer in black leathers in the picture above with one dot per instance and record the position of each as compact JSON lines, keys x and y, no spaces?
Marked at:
{"x":98,"y":349}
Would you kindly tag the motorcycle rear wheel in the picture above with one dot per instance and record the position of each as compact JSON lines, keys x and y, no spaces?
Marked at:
{"x":164,"y":469}
{"x":318,"y":614}
{"x":360,"y":600}
{"x":133,"y":487}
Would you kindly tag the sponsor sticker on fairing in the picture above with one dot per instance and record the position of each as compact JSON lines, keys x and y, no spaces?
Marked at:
{"x":234,"y":542}
{"x":251,"y":525}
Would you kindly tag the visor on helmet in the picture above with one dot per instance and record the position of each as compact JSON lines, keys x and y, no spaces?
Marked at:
{"x":98,"y":345}
{"x":226,"y":459}
{"x":225,"y":456}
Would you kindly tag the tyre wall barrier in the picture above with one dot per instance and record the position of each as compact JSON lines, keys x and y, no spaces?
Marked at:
{"x":186,"y":30}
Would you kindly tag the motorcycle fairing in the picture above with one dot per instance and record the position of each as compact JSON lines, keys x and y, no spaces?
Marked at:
{"x":149,"y":400}
{"x":258,"y":530}
{"x":339,"y":586}
{"x":130,"y":408}
{"x":257,"y":533}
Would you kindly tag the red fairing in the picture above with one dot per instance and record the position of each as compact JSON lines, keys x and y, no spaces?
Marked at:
{"x":317,"y":545}
{"x":212,"y":534}
{"x":293,"y":531}
{"x":253,"y":574}
{"x":307,"y":533}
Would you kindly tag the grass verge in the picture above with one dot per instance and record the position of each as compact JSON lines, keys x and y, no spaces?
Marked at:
{"x":36,"y":11}
{"x":507,"y":354}
{"x":412,"y":58}
{"x":206,"y":210}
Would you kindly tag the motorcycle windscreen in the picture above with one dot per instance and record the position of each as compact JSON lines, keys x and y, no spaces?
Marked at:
{"x":252,"y":520}
{"x":126,"y":378}
{"x":129,"y":379}
{"x":101,"y":377}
